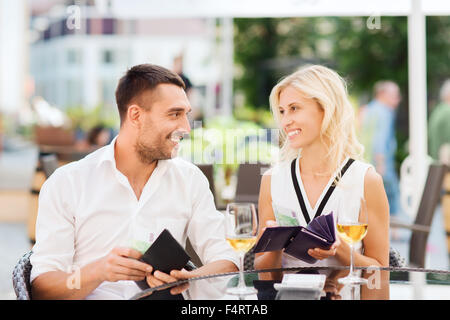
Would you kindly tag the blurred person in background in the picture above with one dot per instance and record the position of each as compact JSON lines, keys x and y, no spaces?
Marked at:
{"x":439,"y":123}
{"x":97,"y":137}
{"x":178,"y":68}
{"x":439,"y":146}
{"x":378,"y":119}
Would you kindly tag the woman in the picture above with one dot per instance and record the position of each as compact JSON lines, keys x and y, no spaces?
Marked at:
{"x":316,"y":119}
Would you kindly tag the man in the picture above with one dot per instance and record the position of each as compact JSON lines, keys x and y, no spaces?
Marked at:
{"x":92,"y":210}
{"x":378,"y":122}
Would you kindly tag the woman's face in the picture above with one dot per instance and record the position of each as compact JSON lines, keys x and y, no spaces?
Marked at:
{"x":301,"y":118}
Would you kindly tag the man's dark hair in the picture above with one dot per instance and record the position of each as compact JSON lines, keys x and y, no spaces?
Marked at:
{"x":141,"y":78}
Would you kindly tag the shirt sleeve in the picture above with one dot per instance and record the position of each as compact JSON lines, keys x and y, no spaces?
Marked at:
{"x":206,"y":229}
{"x":54,"y":248}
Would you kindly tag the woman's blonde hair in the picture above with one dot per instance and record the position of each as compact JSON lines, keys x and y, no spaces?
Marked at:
{"x":329,"y":90}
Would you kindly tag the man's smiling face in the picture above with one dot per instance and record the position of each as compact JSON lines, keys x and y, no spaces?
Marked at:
{"x":163,"y":123}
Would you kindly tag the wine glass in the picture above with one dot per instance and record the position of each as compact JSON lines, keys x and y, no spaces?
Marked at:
{"x":241,"y":224}
{"x":352,"y":224}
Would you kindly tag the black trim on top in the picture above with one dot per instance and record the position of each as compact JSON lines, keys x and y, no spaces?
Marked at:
{"x":325,"y":198}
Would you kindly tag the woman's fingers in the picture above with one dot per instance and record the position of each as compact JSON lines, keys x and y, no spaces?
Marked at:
{"x":321,"y":254}
{"x":271,"y":223}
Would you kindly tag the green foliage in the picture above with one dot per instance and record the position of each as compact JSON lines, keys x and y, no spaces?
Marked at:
{"x":438,"y":55}
{"x":226,"y":142}
{"x":267,"y":49}
{"x":256,"y":40}
{"x":261,"y":117}
{"x":85,"y":119}
{"x":365,"y":56}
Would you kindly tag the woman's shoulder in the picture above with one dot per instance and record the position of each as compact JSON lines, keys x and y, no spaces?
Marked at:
{"x":361,"y":163}
{"x":372,"y":180}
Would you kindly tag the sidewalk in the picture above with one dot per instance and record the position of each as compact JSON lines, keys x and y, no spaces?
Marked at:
{"x":13,"y":244}
{"x":17,"y":167}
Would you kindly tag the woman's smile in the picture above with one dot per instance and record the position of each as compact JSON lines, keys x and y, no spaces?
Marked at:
{"x":292,"y":134}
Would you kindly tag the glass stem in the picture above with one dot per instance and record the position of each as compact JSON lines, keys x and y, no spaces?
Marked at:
{"x":351,"y":260}
{"x":241,"y":270}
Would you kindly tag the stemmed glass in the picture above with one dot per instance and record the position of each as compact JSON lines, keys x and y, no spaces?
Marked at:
{"x":241,"y":222}
{"x":352,"y":224}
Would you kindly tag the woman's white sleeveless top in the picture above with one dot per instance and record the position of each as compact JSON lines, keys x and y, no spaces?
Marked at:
{"x":287,"y":210}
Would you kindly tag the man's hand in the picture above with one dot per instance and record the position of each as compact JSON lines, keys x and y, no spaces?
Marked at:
{"x":159,"y":278}
{"x":123,"y":264}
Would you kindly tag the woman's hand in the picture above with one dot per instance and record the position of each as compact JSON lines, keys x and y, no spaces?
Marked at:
{"x":321,"y":254}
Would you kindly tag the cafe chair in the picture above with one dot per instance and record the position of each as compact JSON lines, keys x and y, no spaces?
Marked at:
{"x":208,"y":171}
{"x":421,"y":228}
{"x":247,"y":190}
{"x":21,"y":277}
{"x":248,"y":182}
{"x":49,"y":163}
{"x":395,"y":259}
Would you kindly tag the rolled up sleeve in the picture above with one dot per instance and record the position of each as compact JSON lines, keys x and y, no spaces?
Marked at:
{"x":206,"y":229}
{"x":54,"y":248}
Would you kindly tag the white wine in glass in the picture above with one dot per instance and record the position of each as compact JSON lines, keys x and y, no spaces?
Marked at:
{"x":241,"y":222}
{"x":352,"y":224}
{"x":241,"y":244}
{"x":352,"y":233}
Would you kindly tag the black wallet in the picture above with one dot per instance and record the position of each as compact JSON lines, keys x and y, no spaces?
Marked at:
{"x":296,"y":240}
{"x":165,"y":254}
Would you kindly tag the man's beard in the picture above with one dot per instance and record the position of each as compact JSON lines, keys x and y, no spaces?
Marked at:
{"x":148,"y":154}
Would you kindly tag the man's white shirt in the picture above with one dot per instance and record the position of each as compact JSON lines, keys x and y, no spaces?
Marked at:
{"x":87,"y":207}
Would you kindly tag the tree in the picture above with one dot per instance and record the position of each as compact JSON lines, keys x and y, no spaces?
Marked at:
{"x":267,"y":49}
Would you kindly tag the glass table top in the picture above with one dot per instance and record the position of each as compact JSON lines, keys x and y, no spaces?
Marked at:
{"x":383,"y":283}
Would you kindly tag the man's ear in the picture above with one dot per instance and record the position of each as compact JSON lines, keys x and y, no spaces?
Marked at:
{"x":134,"y":115}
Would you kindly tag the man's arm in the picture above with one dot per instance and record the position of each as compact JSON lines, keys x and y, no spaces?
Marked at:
{"x":206,"y":230}
{"x":54,"y":275}
{"x":119,"y":264}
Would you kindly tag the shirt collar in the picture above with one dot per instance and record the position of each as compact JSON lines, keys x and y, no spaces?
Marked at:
{"x":108,"y":153}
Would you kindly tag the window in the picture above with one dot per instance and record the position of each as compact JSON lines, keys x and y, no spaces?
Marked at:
{"x":108,"y":57}
{"x":73,"y":57}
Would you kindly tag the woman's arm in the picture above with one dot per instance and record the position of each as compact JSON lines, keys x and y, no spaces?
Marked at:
{"x":376,"y":242}
{"x":266,"y":260}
